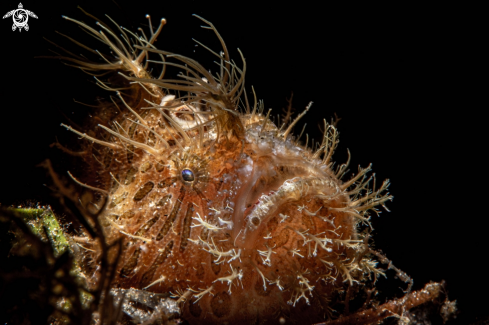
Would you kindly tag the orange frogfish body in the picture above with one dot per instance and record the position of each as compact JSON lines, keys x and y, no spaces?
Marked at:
{"x":213,"y":202}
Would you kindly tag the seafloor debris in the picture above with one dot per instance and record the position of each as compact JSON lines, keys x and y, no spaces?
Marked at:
{"x":143,"y":307}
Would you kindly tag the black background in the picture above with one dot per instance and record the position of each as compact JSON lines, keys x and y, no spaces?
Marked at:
{"x":404,"y":79}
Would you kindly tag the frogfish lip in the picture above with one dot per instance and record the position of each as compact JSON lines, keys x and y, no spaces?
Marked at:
{"x":266,"y":185}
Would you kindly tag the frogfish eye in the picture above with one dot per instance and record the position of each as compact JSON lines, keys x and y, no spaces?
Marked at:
{"x":188,"y":175}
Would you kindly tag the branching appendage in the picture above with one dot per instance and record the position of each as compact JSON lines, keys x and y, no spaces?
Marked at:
{"x":359,"y":206}
{"x":322,"y":242}
{"x":215,"y":251}
{"x":265,"y":280}
{"x":329,"y":144}
{"x":346,"y":269}
{"x":369,"y":267}
{"x":357,"y":264}
{"x":296,"y":252}
{"x":267,"y":254}
{"x":230,"y":278}
{"x":277,"y":282}
{"x":301,"y":289}
{"x":228,"y":223}
{"x":283,"y":217}
{"x":203,"y":293}
{"x":350,"y":243}
{"x":300,"y":233}
{"x":205,"y":224}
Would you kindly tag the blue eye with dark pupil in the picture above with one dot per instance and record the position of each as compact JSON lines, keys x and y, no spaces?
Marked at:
{"x":188,"y":175}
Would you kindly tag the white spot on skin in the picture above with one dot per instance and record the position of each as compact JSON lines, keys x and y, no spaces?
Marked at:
{"x":144,"y":248}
